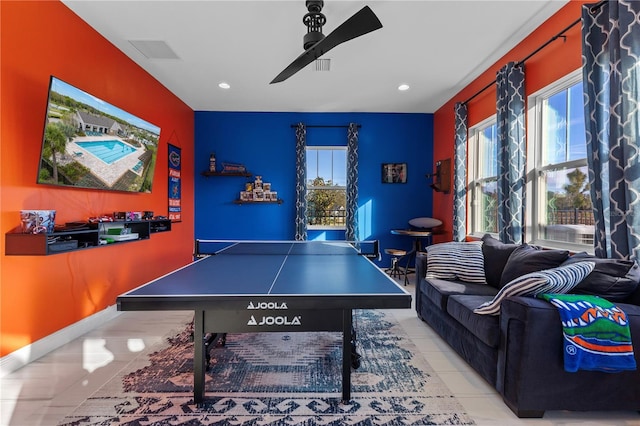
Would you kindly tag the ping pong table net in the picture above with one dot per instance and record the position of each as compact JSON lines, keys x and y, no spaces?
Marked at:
{"x":229,"y":247}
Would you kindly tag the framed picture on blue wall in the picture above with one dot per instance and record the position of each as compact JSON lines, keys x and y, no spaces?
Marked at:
{"x":394,"y":172}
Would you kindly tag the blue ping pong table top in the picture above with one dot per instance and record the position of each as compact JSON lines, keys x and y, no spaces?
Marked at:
{"x":273,"y":269}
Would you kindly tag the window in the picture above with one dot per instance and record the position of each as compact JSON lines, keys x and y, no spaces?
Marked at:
{"x":326,"y":187}
{"x":483,"y":178}
{"x":558,"y":192}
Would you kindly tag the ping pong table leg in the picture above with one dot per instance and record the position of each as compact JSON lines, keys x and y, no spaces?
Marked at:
{"x":198,"y":357}
{"x":347,"y":324}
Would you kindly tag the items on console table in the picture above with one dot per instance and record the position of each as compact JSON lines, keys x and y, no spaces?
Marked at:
{"x":37,"y":221}
{"x":78,"y":235}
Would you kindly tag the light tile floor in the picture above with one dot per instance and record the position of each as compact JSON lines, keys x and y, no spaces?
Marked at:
{"x":46,"y":390}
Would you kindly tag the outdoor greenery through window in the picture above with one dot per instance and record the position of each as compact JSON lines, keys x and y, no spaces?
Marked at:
{"x":483,"y":173}
{"x":561,"y":204}
{"x":326,"y":187}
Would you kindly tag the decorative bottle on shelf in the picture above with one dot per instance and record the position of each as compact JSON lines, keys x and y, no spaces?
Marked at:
{"x":212,"y":162}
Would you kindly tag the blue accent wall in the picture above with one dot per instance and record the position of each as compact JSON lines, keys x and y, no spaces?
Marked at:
{"x":265,"y":144}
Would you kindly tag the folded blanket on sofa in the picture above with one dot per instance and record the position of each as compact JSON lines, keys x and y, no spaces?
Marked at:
{"x":596,"y":333}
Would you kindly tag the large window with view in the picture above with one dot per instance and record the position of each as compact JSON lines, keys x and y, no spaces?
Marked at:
{"x":326,"y":187}
{"x":560,"y":203}
{"x":483,"y":178}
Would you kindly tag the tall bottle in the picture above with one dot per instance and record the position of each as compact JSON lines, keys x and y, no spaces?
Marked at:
{"x":212,"y":162}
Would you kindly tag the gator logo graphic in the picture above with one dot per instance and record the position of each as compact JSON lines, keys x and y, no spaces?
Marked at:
{"x":594,"y":313}
{"x":174,"y":159}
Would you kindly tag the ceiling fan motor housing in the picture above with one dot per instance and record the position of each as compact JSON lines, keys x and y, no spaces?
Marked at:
{"x":314,"y":20}
{"x":316,"y":44}
{"x":314,"y":5}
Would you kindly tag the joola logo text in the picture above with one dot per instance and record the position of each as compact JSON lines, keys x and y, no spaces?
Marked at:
{"x":267,"y":305}
{"x":275,"y":321}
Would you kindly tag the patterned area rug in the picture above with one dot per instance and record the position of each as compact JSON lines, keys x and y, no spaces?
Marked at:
{"x":280,"y":379}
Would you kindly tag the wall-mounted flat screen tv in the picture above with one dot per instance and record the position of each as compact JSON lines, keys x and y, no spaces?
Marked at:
{"x":89,"y":143}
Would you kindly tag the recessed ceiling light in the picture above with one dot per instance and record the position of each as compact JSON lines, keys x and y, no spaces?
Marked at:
{"x":224,"y":85}
{"x":403,"y":87}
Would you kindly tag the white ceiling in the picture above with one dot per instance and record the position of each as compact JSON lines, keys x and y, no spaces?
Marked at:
{"x":437,"y":47}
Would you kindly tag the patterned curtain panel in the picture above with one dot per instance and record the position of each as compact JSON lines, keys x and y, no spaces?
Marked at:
{"x":460,"y":173}
{"x":351,"y":233}
{"x":301,"y":182}
{"x":610,"y":52}
{"x":511,"y":152}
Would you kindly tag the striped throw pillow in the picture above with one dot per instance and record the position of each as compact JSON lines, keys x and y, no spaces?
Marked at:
{"x":456,"y":261}
{"x":556,"y":280}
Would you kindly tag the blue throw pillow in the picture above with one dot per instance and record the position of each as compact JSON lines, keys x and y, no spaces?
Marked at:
{"x":526,"y":259}
{"x":496,"y":254}
{"x":611,"y":279}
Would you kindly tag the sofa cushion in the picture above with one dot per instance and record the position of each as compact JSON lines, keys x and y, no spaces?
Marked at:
{"x":526,"y":259}
{"x":634,"y":298}
{"x":484,"y":327}
{"x":496,"y":254}
{"x":611,"y":279}
{"x":438,"y":291}
{"x":556,"y":280}
{"x":456,"y":261}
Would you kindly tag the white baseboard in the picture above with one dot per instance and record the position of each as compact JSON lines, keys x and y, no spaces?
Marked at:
{"x":30,"y":353}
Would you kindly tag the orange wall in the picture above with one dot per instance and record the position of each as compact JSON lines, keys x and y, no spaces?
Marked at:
{"x":558,"y":59}
{"x":43,"y":294}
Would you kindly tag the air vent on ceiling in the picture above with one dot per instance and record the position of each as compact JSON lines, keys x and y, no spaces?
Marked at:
{"x":323,"y":64}
{"x":154,"y":49}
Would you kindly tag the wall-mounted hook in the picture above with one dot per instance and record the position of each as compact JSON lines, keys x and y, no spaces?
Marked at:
{"x":442,"y":176}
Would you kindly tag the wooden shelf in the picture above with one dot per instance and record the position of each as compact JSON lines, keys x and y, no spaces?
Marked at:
{"x":38,"y":244}
{"x":257,"y":202}
{"x":18,"y":244}
{"x":244,"y":174}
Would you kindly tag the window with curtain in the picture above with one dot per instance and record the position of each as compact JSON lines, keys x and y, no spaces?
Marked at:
{"x":558,"y":192}
{"x":483,"y":178}
{"x":326,"y":187}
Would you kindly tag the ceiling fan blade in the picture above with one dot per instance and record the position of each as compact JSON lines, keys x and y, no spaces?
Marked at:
{"x":361,"y":23}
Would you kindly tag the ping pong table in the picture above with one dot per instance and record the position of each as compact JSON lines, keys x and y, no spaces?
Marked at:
{"x":272,"y":286}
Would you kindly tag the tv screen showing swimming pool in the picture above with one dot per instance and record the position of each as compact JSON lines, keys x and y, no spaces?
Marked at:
{"x":89,"y":143}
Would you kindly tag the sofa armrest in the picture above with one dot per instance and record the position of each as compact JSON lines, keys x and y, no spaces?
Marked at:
{"x":421,"y":271}
{"x":421,"y":266}
{"x":531,"y":375}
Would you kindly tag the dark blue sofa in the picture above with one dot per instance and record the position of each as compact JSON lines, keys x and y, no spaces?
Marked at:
{"x":520,"y":351}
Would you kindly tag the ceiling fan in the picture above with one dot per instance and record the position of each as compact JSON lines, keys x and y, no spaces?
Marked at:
{"x":316,"y":44}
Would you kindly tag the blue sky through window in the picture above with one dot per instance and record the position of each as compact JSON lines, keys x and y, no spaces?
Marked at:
{"x":564,"y":126}
{"x":329,"y":164}
{"x":564,"y":136}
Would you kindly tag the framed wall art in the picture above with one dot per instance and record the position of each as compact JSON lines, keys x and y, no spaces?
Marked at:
{"x":394,"y":172}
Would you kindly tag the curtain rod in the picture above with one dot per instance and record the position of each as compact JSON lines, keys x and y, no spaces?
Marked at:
{"x":293,"y":126}
{"x":551,"y":40}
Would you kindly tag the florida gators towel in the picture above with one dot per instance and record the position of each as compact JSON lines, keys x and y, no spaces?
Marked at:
{"x":596,"y":333}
